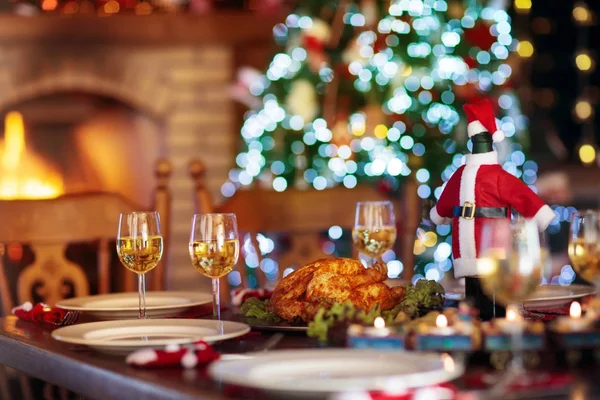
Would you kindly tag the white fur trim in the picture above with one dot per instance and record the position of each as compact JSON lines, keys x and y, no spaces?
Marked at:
{"x":172,"y":347}
{"x":142,"y":357}
{"x":498,"y":136}
{"x":475,"y":128}
{"x":544,"y":217}
{"x":437,"y":219}
{"x":466,"y":227}
{"x":465,"y":267}
{"x":489,"y":158}
{"x":27,"y":306}
{"x":189,"y":360}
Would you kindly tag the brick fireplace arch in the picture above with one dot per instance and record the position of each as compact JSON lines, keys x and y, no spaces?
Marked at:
{"x":177,"y":69}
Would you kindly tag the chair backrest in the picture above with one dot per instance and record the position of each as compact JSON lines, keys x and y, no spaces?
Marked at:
{"x":304,"y":213}
{"x":48,"y":226}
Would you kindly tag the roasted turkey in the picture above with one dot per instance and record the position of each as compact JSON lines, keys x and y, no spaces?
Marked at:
{"x":324,"y":282}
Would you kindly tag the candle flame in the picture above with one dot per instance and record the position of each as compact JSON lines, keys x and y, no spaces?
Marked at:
{"x":575,"y":310}
{"x":441,"y":321}
{"x":511,"y":314}
{"x":379,"y":323}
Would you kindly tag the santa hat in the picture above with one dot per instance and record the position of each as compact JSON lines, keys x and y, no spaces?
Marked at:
{"x":481,"y":119}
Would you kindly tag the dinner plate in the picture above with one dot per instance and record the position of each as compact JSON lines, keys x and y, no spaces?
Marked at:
{"x":125,"y":305}
{"x":552,"y":297}
{"x":125,"y":336}
{"x":327,"y":371}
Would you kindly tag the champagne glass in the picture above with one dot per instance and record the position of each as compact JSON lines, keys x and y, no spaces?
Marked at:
{"x":374,"y":230}
{"x":140,"y":247}
{"x":214,"y":249}
{"x":511,"y":263}
{"x":584,"y":245}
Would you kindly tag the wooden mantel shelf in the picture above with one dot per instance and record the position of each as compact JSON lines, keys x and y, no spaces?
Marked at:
{"x":168,"y":29}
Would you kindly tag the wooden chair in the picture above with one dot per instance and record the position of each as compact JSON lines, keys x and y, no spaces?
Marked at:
{"x":48,"y":226}
{"x":305,"y":213}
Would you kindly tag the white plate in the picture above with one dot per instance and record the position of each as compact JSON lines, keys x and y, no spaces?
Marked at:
{"x":330,"y":371}
{"x":125,"y":336}
{"x":552,"y":297}
{"x":125,"y":305}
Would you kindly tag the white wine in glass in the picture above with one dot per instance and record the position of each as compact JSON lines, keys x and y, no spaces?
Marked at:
{"x":140,"y":247}
{"x":214,"y":249}
{"x":584,"y":245}
{"x":374,"y":230}
{"x":511,"y":264}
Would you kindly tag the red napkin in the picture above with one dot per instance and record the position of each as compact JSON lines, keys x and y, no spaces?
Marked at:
{"x":198,"y":354}
{"x":40,"y":313}
{"x":240,"y":295}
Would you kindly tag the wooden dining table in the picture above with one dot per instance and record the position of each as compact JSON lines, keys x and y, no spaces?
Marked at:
{"x":30,"y":348}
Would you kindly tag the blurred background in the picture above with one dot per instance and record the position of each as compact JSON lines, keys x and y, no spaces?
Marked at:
{"x":298,"y":103}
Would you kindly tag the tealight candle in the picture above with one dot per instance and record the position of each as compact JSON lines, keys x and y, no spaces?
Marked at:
{"x":441,"y":326}
{"x":513,"y":323}
{"x":573,"y":322}
{"x":378,"y":329}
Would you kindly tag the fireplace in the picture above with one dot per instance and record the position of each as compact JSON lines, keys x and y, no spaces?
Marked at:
{"x":74,"y":142}
{"x":93,"y":102}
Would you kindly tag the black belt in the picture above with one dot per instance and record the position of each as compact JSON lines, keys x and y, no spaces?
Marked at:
{"x":469,"y":211}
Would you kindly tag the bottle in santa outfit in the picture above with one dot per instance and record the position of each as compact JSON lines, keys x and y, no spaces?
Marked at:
{"x":479,"y":190}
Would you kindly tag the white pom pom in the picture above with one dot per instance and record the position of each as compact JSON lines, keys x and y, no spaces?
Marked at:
{"x":172,"y":348}
{"x":142,"y":357}
{"x":200,"y":346}
{"x":498,"y":136}
{"x":27,"y":306}
{"x":189,"y":360}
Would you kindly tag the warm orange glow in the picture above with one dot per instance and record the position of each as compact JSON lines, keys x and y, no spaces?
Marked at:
{"x":143,"y":8}
{"x":22,"y":175}
{"x":575,"y":310}
{"x":49,"y":5}
{"x":512,"y":314}
{"x":112,"y":7}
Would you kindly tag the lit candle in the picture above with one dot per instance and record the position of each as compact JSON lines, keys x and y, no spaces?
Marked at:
{"x":378,"y":330}
{"x":441,"y":326}
{"x":573,"y":322}
{"x":513,"y":323}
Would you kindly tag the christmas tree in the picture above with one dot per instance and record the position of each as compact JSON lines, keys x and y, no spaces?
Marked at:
{"x":372,"y":91}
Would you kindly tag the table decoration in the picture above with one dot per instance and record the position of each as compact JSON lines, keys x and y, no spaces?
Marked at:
{"x":376,"y":337}
{"x":447,"y":333}
{"x":43,"y":314}
{"x":575,"y":331}
{"x":198,"y":354}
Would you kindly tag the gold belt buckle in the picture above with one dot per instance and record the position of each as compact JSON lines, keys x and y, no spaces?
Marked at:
{"x":464,"y":214}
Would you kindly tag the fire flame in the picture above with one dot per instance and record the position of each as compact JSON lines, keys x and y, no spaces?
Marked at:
{"x":22,"y":174}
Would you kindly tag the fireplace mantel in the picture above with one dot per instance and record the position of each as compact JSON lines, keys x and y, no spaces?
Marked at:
{"x":168,"y":29}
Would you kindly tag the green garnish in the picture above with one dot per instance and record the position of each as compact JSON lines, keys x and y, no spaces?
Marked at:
{"x":256,"y":308}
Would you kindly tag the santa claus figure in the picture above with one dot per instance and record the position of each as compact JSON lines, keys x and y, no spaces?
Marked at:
{"x":481,"y":189}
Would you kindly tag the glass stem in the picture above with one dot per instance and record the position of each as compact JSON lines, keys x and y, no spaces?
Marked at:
{"x":216,"y":299}
{"x":142,"y":293}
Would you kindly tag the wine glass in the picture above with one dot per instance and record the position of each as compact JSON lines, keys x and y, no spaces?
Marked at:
{"x":584,"y":247}
{"x":511,"y":263}
{"x":214,"y":249}
{"x":374,"y":230}
{"x":140,"y":247}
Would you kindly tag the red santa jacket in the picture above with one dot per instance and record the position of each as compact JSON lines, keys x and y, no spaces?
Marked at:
{"x":483,"y":182}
